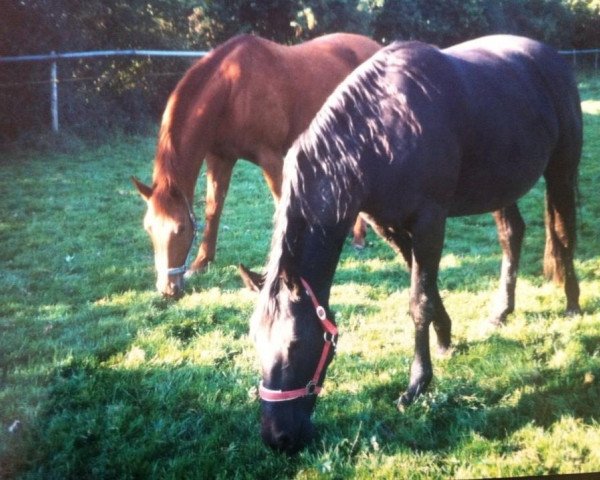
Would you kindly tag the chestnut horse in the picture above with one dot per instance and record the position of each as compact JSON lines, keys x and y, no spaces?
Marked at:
{"x":248,"y":98}
{"x":411,"y":137}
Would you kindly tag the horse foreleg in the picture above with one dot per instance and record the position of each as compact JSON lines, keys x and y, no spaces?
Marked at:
{"x":271,"y":164}
{"x":425,"y":303}
{"x":511,"y":229}
{"x":218,"y":176}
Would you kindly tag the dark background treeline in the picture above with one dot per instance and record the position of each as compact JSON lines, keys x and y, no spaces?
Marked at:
{"x":101,"y":95}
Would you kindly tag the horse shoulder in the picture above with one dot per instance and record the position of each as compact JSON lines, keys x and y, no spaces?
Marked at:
{"x":259,"y":102}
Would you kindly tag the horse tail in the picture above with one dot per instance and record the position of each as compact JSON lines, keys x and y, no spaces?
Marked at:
{"x":562,"y":193}
{"x":561,"y":231}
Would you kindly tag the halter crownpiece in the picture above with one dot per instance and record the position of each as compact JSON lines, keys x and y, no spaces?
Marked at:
{"x":312,"y":387}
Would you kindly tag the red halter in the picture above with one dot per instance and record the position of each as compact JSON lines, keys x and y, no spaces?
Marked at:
{"x":312,"y":387}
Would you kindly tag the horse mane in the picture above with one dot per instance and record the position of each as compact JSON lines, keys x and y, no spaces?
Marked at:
{"x":178,"y":106}
{"x":329,"y":149}
{"x":347,"y":127}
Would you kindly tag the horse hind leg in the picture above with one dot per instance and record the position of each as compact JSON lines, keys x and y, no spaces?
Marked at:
{"x":511,"y":229}
{"x":359,"y":233}
{"x":561,"y":233}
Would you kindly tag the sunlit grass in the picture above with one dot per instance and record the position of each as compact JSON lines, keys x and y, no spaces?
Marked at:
{"x":102,"y":378}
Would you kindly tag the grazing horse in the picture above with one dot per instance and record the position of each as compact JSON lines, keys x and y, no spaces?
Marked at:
{"x":249,"y":98}
{"x":413,"y":136}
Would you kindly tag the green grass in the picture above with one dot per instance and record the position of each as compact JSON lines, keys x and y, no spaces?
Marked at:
{"x":102,"y":378}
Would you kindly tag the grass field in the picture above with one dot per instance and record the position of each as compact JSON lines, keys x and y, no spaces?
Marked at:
{"x":102,"y":378}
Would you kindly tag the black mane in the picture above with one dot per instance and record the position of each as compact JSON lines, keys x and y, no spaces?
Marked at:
{"x":323,"y":181}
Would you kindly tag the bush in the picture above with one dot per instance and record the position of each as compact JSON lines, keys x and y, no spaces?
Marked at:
{"x":129,"y":94}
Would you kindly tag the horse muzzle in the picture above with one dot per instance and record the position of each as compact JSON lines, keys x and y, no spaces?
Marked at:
{"x":171,"y":285}
{"x":285,"y":428}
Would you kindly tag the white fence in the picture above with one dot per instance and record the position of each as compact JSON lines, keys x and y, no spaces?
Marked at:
{"x":575,"y":54}
{"x":54,"y":57}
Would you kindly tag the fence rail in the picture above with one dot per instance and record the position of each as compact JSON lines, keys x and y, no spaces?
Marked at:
{"x":54,"y":57}
{"x":578,"y":53}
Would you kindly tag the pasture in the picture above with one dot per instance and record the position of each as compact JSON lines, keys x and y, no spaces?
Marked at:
{"x":102,"y":378}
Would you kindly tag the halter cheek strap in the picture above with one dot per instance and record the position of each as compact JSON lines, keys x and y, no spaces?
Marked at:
{"x":312,"y":387}
{"x":183,"y":268}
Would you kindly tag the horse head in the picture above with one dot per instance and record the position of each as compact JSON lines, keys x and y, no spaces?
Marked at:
{"x":295,"y":341}
{"x":171,"y":225}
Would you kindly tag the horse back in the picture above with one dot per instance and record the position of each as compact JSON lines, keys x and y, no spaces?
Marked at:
{"x":521,"y":113}
{"x":279,"y":88}
{"x":470,"y":128}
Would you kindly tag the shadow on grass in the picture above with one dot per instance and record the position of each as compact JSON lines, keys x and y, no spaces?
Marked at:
{"x":455,"y":409}
{"x":98,"y":421}
{"x":175,"y":422}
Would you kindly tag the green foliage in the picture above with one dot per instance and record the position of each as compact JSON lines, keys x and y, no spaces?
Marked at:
{"x":102,"y":378}
{"x":448,"y":22}
{"x":124,"y":94}
{"x":439,"y":21}
{"x":586,"y":23}
{"x":217,"y":21}
{"x":546,"y":20}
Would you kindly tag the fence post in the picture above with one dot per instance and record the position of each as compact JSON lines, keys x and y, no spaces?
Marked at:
{"x":54,"y":94}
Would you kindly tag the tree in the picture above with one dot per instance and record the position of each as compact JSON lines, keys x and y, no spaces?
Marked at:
{"x":214,"y":21}
{"x":586,"y":23}
{"x":546,"y":20}
{"x":442,"y":22}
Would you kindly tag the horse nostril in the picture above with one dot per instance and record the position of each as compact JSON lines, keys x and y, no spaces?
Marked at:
{"x":284,"y":443}
{"x":171,"y":290}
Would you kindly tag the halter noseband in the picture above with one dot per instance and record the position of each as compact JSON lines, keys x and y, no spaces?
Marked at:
{"x":183,"y":268}
{"x":312,"y":387}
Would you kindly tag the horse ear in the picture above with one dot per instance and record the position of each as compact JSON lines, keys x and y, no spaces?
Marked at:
{"x":252,"y":280}
{"x":292,"y":282}
{"x":145,"y":190}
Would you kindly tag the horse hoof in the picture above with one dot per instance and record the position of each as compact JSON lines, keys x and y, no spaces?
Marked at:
{"x":196,"y":267}
{"x":404,"y":401}
{"x":497,"y":320}
{"x":573,"y":311}
{"x":358,"y":245}
{"x":445,"y":352}
{"x":189,"y":273}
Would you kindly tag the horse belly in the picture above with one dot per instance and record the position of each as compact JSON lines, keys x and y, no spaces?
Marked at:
{"x":499,"y":177}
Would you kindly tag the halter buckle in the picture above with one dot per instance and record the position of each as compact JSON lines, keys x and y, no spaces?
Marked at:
{"x":311,"y":388}
{"x":330,"y":338}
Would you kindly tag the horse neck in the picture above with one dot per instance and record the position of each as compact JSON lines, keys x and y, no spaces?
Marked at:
{"x":312,"y":252}
{"x":188,"y":131}
{"x":320,"y":256}
{"x":173,"y":169}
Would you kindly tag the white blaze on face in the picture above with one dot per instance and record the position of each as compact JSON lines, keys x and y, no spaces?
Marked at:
{"x":272,"y":337}
{"x":161,"y":230}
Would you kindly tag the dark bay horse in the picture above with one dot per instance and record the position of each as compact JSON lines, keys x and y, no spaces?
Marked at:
{"x":413,"y":136}
{"x":248,"y":98}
